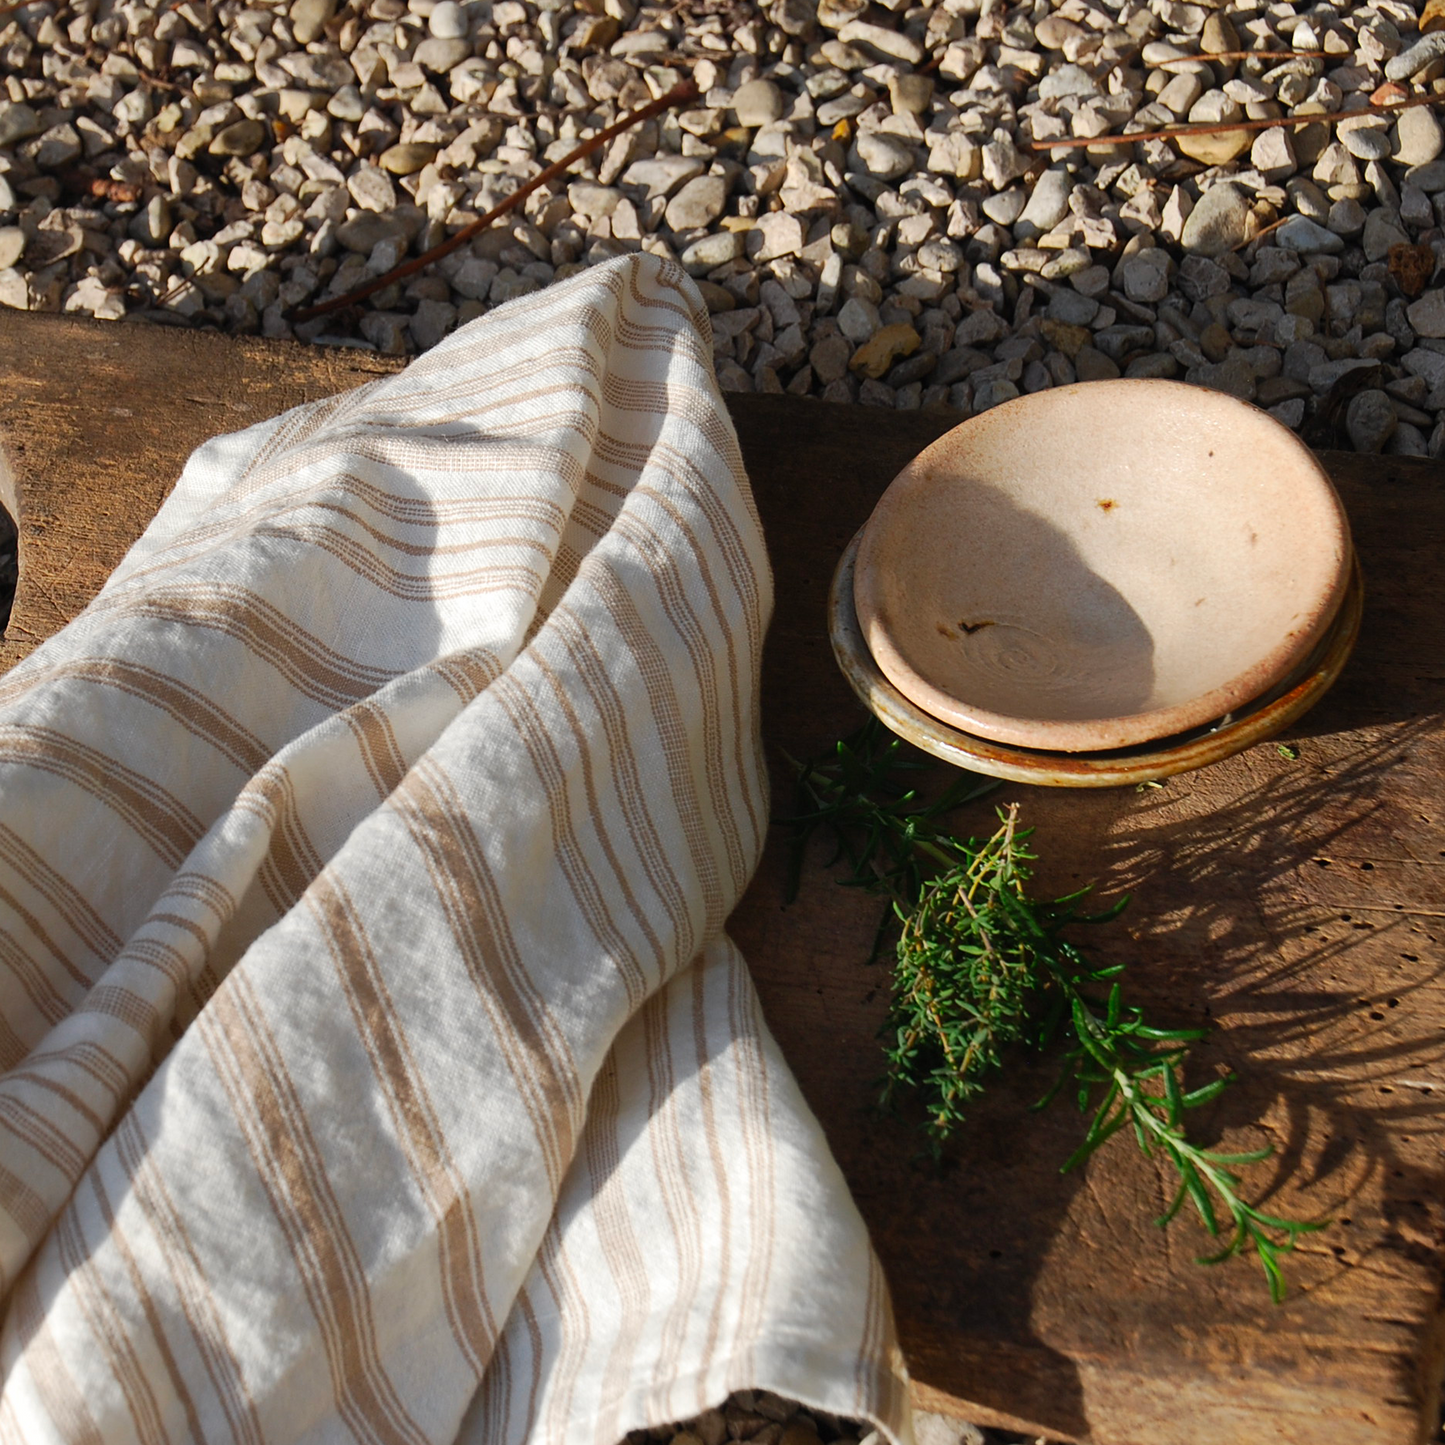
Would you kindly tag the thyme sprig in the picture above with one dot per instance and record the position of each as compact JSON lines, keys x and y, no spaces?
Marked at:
{"x":981,"y":967}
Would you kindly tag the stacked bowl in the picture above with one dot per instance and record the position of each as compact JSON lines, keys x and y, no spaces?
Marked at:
{"x":1100,"y":584}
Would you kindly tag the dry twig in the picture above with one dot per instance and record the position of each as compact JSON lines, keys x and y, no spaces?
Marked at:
{"x":1245,"y":55}
{"x":1224,"y":127}
{"x":678,"y":95}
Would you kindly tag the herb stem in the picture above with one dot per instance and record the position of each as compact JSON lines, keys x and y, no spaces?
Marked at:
{"x":981,"y":968}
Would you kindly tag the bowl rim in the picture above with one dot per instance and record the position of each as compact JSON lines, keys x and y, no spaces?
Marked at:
{"x":1125,"y":730}
{"x":1254,"y":722}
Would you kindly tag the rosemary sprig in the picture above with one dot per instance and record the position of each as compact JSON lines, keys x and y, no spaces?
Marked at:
{"x":980,"y":967}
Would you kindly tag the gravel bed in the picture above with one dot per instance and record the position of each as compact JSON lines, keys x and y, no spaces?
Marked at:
{"x":760,"y":1418}
{"x":854,"y":190}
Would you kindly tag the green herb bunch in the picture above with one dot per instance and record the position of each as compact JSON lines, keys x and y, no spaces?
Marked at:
{"x":981,"y":967}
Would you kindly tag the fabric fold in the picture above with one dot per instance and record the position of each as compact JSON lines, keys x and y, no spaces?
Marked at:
{"x":376,"y":1066}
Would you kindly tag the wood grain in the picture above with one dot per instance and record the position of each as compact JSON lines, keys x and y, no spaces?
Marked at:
{"x":1295,"y":904}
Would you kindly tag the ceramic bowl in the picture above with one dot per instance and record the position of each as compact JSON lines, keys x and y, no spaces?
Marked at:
{"x":1097,"y":566}
{"x":1221,"y":738}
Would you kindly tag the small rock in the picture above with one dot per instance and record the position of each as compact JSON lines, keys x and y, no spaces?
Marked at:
{"x":1071,"y":308}
{"x":1219,"y":221}
{"x":699,"y":203}
{"x":440,"y":56}
{"x":776,"y":234}
{"x":1233,"y":375}
{"x":1218,"y":35}
{"x":829,"y":358}
{"x":1181,"y":93}
{"x":407,"y":159}
{"x":1417,"y":137}
{"x":12,"y":246}
{"x":979,"y":328}
{"x":1408,"y":441}
{"x":757,"y":103}
{"x":1430,"y":177}
{"x":56,"y":147}
{"x":886,"y":156}
{"x":1427,"y":315}
{"x":1367,"y":142}
{"x":884,"y":347}
{"x":1006,"y":207}
{"x":371,"y":189}
{"x":309,"y":17}
{"x":432,"y":321}
{"x":910,"y":94}
{"x":1067,"y":80}
{"x":662,"y":175}
{"x":1093,"y":365}
{"x":152,"y":226}
{"x":995,"y":391}
{"x":473,"y":278}
{"x":1048,"y":202}
{"x":17,"y":122}
{"x":1272,"y":155}
{"x":1347,"y":218}
{"x":1301,"y":234}
{"x":1381,"y":232}
{"x":1370,"y":421}
{"x":1146,"y":275}
{"x":858,"y":319}
{"x":709,"y":252}
{"x":895,"y":44}
{"x":448,"y":21}
{"x":1412,"y":61}
{"x":1289,"y":413}
{"x":1215,"y":150}
{"x":241,"y":138}
{"x":1201,"y":278}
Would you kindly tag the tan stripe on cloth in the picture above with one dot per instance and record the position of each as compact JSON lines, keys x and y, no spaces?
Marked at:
{"x":375,"y":1065}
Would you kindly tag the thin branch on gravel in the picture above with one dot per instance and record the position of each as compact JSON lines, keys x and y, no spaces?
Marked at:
{"x":1244,"y":55}
{"x":1224,"y":127}
{"x":678,"y":95}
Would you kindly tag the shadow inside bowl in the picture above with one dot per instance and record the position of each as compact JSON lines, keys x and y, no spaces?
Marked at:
{"x":999,"y":610}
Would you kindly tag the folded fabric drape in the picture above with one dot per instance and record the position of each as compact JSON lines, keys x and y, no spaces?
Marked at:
{"x":376,"y":1066}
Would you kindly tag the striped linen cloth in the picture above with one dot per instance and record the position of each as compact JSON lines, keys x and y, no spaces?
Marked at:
{"x":376,"y":1067}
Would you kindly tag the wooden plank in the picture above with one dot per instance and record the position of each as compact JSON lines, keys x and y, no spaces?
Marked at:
{"x":1295,"y":904}
{"x":96,"y":422}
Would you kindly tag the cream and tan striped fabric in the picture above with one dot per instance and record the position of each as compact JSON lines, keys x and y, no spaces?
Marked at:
{"x":376,"y":1067}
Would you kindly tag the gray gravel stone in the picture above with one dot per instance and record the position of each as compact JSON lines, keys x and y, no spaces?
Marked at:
{"x":1300,"y":234}
{"x":1427,"y":315}
{"x":1370,"y":421}
{"x":17,"y":121}
{"x":1071,"y":308}
{"x":1146,"y":275}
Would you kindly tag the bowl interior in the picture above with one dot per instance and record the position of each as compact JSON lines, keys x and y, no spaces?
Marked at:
{"x":1096,"y":566}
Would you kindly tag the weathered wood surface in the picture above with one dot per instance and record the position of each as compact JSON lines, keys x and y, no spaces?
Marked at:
{"x":1295,"y":904}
